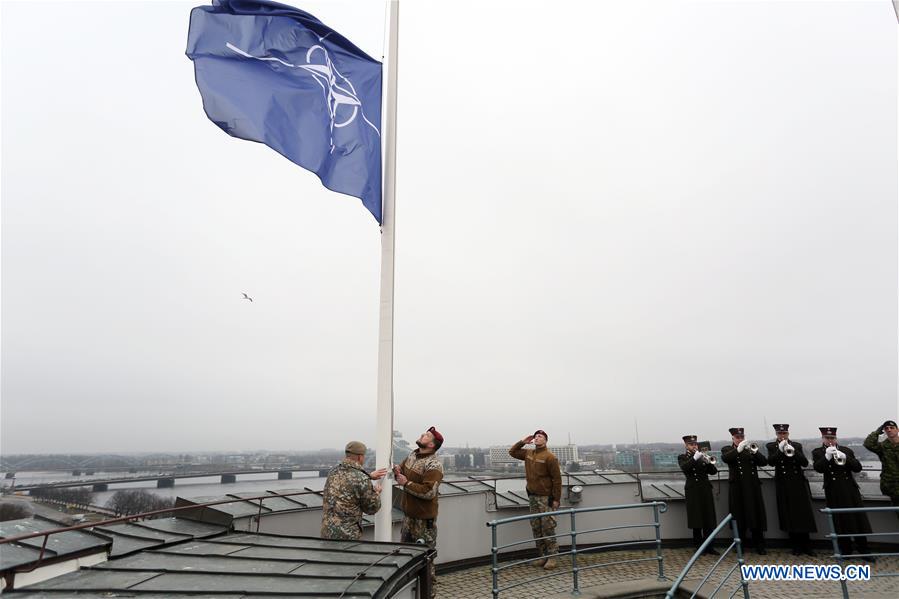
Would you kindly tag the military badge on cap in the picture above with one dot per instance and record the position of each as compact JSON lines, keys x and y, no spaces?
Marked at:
{"x":781,"y":428}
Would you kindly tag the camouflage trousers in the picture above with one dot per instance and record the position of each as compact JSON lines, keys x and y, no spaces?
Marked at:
{"x":415,"y":530}
{"x":340,"y":529}
{"x":543,"y":527}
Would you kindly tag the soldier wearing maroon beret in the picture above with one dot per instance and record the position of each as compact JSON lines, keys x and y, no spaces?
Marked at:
{"x":419,"y":476}
{"x":544,"y":487}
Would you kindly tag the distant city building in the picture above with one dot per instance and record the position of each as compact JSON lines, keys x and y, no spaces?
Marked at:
{"x":664,"y":461}
{"x":565,"y":453}
{"x":499,"y":455}
{"x":626,"y":460}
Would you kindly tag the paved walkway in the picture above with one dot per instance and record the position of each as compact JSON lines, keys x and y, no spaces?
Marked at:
{"x":476,"y":582}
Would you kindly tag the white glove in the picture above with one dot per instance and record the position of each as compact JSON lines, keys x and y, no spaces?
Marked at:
{"x":782,"y":445}
{"x":743,"y":445}
{"x":828,"y":453}
{"x":840,"y":454}
{"x":697,"y":456}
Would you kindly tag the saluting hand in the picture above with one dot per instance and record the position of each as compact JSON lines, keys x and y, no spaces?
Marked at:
{"x":527,"y":439}
{"x":378,"y":474}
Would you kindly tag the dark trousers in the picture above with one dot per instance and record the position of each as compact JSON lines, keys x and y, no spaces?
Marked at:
{"x":800,"y":542}
{"x":700,"y":535}
{"x":846,"y":543}
{"x":758,"y":538}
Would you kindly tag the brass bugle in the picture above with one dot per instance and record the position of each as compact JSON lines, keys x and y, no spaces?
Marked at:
{"x":711,"y":459}
{"x":753,"y":447}
{"x":839,"y":460}
{"x":789,"y":450}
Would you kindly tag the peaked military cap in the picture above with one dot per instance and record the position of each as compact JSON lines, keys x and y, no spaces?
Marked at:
{"x":689,"y":438}
{"x":781,"y":428}
{"x":890,"y":423}
{"x":828,"y":431}
{"x":736,"y":430}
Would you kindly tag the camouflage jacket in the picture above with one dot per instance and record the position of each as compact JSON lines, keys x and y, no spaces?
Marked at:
{"x":888,"y":452}
{"x":348,"y":494}
{"x":420,"y":493}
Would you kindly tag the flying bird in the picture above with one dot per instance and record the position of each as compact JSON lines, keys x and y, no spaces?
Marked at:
{"x":247,"y":297}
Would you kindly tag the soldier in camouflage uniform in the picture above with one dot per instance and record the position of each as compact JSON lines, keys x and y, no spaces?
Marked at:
{"x":419,"y":476}
{"x":348,"y":494}
{"x":888,"y":452}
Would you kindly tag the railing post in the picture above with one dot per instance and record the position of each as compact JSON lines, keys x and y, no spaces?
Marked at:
{"x":574,"y":573}
{"x":658,"y":527}
{"x":738,"y":546}
{"x":836,"y":548}
{"x":493,"y":569}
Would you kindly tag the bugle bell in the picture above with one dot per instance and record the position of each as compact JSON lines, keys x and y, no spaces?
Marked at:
{"x":789,"y":450}
{"x":711,"y":459}
{"x":753,"y":447}
{"x":840,"y":460}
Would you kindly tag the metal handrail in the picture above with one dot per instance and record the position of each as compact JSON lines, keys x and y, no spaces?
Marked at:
{"x":736,"y":545}
{"x":835,"y":538}
{"x":658,"y":507}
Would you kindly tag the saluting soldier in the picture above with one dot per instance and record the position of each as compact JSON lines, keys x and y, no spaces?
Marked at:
{"x":837,"y":463}
{"x":745,"y":497}
{"x":888,"y":452}
{"x":544,"y":488}
{"x":794,"y":498}
{"x":348,"y":494}
{"x":698,"y":491}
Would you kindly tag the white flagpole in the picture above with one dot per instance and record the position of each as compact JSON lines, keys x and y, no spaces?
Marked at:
{"x":384,"y":437}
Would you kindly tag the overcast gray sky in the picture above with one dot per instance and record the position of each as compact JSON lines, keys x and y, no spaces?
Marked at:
{"x":679,"y":212}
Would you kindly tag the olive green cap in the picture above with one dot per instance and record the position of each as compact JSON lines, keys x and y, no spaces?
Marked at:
{"x":355,"y":447}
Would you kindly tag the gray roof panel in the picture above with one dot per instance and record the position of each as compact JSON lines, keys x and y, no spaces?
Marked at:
{"x":143,"y":532}
{"x":94,"y":580}
{"x":181,"y":526}
{"x":203,"y":548}
{"x":172,"y":562}
{"x":188,"y":583}
{"x":13,"y":555}
{"x":72,"y":541}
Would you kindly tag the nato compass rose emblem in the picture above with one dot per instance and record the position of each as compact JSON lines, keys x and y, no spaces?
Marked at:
{"x":340,"y":95}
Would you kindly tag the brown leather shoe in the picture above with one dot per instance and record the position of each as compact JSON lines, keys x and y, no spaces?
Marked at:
{"x":550,"y":564}
{"x":540,"y":562}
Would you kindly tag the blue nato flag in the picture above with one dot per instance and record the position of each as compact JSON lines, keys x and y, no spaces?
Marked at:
{"x":271,"y":73}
